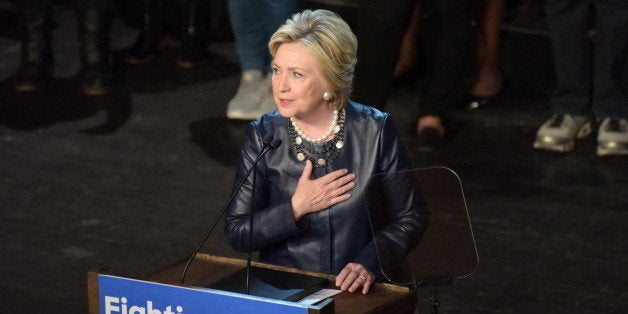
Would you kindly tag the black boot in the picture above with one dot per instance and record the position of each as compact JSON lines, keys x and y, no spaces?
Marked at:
{"x":152,"y":36}
{"x":36,"y":63}
{"x":97,"y":74}
{"x":194,"y":35}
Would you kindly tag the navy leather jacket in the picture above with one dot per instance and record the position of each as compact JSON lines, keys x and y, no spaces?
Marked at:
{"x":327,"y":240}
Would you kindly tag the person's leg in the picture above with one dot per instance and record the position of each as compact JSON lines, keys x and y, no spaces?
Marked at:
{"x":489,"y":77}
{"x":194,"y":34}
{"x":409,"y":52}
{"x":105,"y":6}
{"x":568,"y":24}
{"x":94,"y":23}
{"x":37,"y":60}
{"x":252,"y":23}
{"x":380,"y":31}
{"x":448,"y":35}
{"x":567,"y":21}
{"x":610,"y":92}
{"x":248,"y":29}
{"x":32,"y":5}
{"x":152,"y":35}
{"x":277,"y":12}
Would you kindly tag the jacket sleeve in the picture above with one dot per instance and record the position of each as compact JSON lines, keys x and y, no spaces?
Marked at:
{"x":400,"y":206}
{"x":272,"y":223}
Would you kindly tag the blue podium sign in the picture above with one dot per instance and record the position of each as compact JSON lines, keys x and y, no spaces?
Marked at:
{"x":118,"y":295}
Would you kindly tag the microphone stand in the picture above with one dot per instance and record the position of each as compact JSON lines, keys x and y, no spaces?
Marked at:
{"x":248,"y":259}
{"x":269,"y":145}
{"x":272,"y":145}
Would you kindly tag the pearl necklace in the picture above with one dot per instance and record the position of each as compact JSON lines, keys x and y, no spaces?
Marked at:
{"x":332,"y":128}
{"x":324,"y":153}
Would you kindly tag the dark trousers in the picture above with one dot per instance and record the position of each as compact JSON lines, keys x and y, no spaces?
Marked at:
{"x":598,"y":82}
{"x":448,"y":37}
{"x":449,"y":53}
{"x":85,"y":5}
{"x":381,"y":27}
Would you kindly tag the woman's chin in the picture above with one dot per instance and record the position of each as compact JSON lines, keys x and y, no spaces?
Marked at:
{"x":284,"y":112}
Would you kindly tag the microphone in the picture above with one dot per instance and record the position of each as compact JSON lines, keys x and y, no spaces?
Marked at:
{"x":268,"y":144}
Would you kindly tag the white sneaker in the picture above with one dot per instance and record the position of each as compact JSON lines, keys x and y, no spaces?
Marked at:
{"x":268,"y":101}
{"x":559,"y":133}
{"x":244,"y":105}
{"x":612,"y":137}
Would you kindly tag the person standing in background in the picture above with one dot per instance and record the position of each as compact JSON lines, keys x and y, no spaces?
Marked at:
{"x":37,"y":61}
{"x":253,"y":23}
{"x":446,"y":27}
{"x":155,"y":31}
{"x":598,"y":83}
{"x":489,"y":78}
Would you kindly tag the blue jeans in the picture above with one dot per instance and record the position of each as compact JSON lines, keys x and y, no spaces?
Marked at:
{"x":253,"y":22}
{"x":600,"y":80}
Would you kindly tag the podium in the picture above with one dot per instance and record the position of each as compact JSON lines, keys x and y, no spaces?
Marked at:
{"x":446,"y":252}
{"x":206,"y":269}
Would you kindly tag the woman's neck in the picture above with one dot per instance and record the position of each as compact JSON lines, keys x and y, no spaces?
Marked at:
{"x":316,"y":125}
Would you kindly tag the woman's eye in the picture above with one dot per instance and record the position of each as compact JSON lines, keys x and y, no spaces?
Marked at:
{"x":275,"y":70}
{"x":297,"y":74}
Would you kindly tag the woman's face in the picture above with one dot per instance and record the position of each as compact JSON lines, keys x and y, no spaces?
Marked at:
{"x":297,"y":83}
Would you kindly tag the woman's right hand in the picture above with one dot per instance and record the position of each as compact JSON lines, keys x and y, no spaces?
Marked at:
{"x":315,"y":195}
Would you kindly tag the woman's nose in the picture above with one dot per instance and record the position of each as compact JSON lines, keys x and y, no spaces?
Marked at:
{"x":282,"y":83}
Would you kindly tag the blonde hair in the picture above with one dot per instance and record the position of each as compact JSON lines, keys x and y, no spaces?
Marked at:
{"x":330,"y":40}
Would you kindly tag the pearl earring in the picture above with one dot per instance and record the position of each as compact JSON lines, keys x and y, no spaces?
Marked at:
{"x":327,"y":96}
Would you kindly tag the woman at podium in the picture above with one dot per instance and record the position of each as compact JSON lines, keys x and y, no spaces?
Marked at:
{"x":307,"y":195}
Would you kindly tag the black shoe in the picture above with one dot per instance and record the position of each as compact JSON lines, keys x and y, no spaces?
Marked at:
{"x":476,"y":102}
{"x":430,"y":139}
{"x":97,"y":76}
{"x":36,"y":64}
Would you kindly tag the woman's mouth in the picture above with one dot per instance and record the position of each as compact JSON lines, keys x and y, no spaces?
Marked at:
{"x":285,"y":101}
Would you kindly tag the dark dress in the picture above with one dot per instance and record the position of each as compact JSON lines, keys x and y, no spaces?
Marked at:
{"x":327,"y":240}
